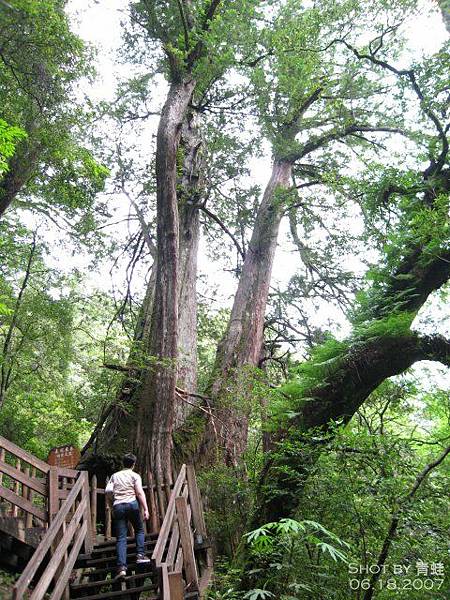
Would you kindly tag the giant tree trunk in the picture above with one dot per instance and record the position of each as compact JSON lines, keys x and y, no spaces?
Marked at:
{"x":189,"y":195}
{"x":156,"y":409}
{"x":239,"y":350}
{"x":117,"y":431}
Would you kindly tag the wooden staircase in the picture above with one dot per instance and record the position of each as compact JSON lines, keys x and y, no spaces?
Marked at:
{"x":49,"y":517}
{"x":94,"y":574}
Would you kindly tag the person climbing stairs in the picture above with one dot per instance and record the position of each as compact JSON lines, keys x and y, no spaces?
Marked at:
{"x":69,"y":559}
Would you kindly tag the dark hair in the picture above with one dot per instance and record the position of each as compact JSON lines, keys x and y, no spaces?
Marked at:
{"x":129,"y":460}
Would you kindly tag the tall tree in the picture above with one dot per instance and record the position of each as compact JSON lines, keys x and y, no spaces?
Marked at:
{"x":309,"y":101}
{"x":339,"y":378}
{"x":41,"y":62}
{"x":190,"y":36}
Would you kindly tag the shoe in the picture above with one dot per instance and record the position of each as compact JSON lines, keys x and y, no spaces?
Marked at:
{"x":121,"y":573}
{"x":142,"y":559}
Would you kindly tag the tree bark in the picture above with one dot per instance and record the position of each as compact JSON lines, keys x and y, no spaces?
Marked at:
{"x":189,"y":196}
{"x":365,"y":365}
{"x":116,"y":431}
{"x":241,"y":345}
{"x":156,"y":409}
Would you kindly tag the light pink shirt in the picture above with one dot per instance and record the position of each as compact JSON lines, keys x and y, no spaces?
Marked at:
{"x":123,"y":486}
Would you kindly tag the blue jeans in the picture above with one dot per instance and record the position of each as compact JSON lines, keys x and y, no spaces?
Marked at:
{"x":124,"y":512}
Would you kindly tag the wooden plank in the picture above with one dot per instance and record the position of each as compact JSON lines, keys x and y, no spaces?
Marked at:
{"x":170,"y":513}
{"x":53,"y":493}
{"x":94,"y":505}
{"x":165,"y":583}
{"x":22,"y":503}
{"x":27,"y":493}
{"x":23,"y":478}
{"x":195,"y":500}
{"x":154,"y":527}
{"x":70,"y":473}
{"x":45,"y":545}
{"x":89,"y":539}
{"x":24,"y":455}
{"x":52,"y":568}
{"x":176,"y":586}
{"x":25,"y":488}
{"x":179,"y":561}
{"x":16,"y":487}
{"x":63,"y":580}
{"x":190,"y":566}
{"x":173,"y":546}
{"x":108,"y":527}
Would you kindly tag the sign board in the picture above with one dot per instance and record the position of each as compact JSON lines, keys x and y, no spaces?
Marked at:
{"x":64,"y":456}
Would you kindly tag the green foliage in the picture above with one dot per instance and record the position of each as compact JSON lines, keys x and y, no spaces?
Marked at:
{"x":324,"y":364}
{"x":9,"y":137}
{"x":52,"y":386}
{"x":42,"y":62}
{"x":276,"y":549}
{"x":362,"y":476}
{"x":265,"y":539}
{"x":229,"y":504}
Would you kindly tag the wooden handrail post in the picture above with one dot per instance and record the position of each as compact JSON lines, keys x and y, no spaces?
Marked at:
{"x":2,"y":458}
{"x":108,"y":527}
{"x":89,"y":541}
{"x":94,"y":506}
{"x":196,"y":502}
{"x":187,"y":545}
{"x":164,"y":587}
{"x":27,"y":493}
{"x":53,"y":493}
{"x":176,"y":586}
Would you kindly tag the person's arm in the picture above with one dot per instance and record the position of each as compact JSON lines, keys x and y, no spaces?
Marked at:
{"x":140,"y":495}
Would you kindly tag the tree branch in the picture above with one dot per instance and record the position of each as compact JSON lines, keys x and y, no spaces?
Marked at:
{"x":409,"y":74}
{"x":216,"y":219}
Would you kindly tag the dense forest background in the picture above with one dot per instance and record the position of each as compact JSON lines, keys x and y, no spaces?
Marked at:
{"x":224,"y":239}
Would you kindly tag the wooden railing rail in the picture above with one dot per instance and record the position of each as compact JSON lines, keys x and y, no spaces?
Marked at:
{"x":70,"y":529}
{"x":183,"y":525}
{"x":32,"y":488}
{"x":23,"y":483}
{"x":23,"y":455}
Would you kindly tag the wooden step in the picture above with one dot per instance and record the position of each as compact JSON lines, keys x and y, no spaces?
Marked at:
{"x":93,"y":584}
{"x":122,"y":593}
{"x":141,"y":569}
{"x":100,"y":552}
{"x":112,"y":541}
{"x":94,"y":562}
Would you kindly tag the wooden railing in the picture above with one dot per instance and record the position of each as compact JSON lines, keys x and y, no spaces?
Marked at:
{"x":23,"y":484}
{"x":70,"y":529}
{"x":62,"y":501}
{"x":30,"y":489}
{"x":182,"y":529}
